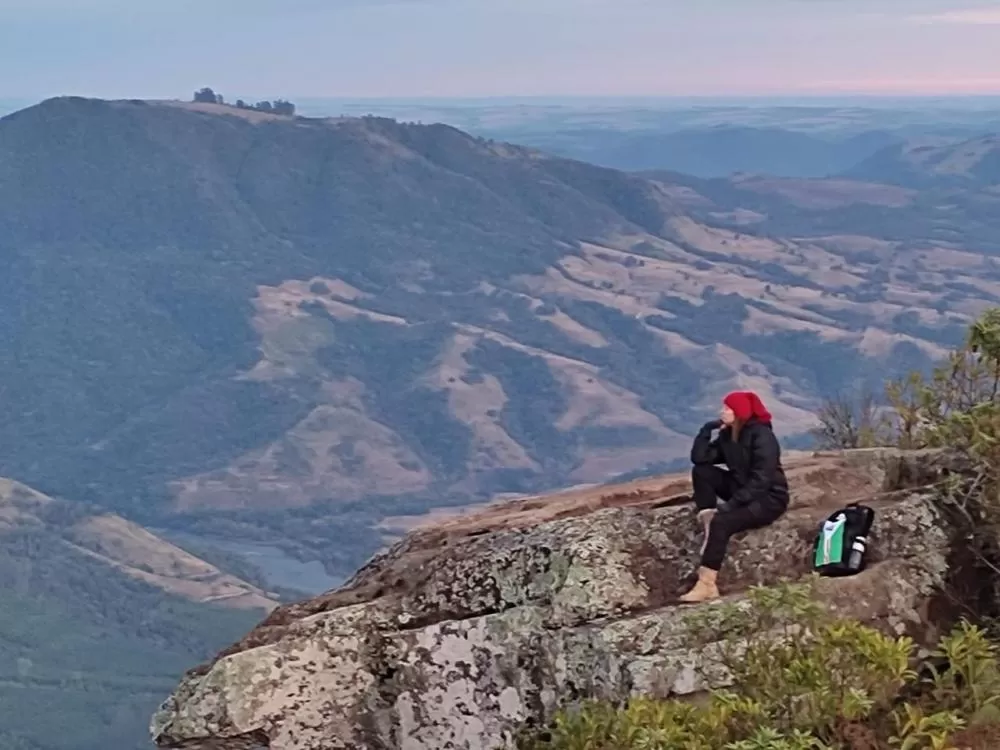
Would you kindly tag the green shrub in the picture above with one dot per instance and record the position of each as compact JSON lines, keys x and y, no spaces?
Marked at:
{"x":798,"y":679}
{"x":970,"y":686}
{"x":806,"y":670}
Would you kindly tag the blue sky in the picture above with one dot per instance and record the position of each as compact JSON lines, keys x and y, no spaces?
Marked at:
{"x":384,"y":48}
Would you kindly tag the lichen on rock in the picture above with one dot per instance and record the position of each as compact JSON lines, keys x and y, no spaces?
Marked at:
{"x":461,"y":634}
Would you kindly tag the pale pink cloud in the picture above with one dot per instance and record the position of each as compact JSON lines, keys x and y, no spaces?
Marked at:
{"x":967,"y":17}
{"x":930,"y":86}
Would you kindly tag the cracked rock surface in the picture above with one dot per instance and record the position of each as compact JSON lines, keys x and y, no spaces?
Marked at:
{"x":463,"y":632}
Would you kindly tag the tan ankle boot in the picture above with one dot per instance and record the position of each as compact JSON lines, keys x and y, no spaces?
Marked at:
{"x":705,"y":589}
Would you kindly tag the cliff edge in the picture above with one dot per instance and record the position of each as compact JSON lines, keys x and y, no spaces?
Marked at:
{"x":465,"y":631}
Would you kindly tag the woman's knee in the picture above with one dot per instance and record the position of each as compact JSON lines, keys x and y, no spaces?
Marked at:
{"x":765,"y":514}
{"x":704,"y":471}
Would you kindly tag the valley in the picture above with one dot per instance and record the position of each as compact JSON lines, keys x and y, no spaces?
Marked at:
{"x":281,"y":330}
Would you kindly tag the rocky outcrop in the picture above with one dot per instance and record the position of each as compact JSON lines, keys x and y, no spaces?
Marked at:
{"x":465,"y":631}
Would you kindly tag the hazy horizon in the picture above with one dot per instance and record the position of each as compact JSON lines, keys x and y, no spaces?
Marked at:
{"x":446,"y":49}
{"x":923,"y":101}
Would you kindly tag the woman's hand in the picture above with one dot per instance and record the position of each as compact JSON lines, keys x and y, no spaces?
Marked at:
{"x":705,"y":450}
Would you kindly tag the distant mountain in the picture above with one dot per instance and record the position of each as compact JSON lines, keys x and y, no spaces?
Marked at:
{"x":165,"y":313}
{"x":706,"y":137}
{"x":717,"y":151}
{"x":98,"y":619}
{"x":284,"y":330}
{"x":942,"y":163}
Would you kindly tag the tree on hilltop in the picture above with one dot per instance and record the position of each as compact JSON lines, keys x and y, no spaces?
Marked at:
{"x":283,"y":107}
{"x":208,"y":96}
{"x":277,"y":107}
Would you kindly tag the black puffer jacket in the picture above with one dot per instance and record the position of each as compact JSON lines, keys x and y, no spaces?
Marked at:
{"x":754,"y":460}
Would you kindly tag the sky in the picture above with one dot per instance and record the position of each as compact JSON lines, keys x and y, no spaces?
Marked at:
{"x":462,"y":48}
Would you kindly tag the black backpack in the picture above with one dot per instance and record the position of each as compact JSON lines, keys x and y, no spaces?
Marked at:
{"x":842,"y":542}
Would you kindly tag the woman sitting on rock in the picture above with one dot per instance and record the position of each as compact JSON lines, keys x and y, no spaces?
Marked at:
{"x":754,"y":490}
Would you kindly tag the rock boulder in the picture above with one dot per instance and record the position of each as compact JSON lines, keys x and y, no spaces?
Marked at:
{"x":465,"y":631}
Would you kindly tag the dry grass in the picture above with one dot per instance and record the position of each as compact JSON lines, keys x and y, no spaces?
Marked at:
{"x":136,"y":552}
{"x":827,"y":194}
{"x":133,"y":550}
{"x":18,"y":503}
{"x":958,"y":160}
{"x":250,"y":115}
{"x":478,"y":406}
{"x":285,"y":300}
{"x":630,"y":273}
{"x":382,"y":465}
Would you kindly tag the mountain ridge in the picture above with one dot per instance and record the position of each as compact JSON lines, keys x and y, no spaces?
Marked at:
{"x":929,"y":162}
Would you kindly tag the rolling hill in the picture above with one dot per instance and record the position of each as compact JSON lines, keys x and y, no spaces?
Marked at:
{"x":98,"y":618}
{"x":286,"y":329}
{"x":713,"y":151}
{"x":935,"y":163}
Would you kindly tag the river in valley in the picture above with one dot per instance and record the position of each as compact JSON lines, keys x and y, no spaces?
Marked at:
{"x":277,"y":567}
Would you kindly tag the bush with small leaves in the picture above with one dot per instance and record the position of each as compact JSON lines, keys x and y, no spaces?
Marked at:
{"x":970,"y":684}
{"x":766,"y":738}
{"x":651,"y":724}
{"x":917,"y":731}
{"x":799,"y":679}
{"x":806,"y":670}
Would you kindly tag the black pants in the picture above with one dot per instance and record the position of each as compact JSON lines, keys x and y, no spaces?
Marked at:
{"x":713,"y":483}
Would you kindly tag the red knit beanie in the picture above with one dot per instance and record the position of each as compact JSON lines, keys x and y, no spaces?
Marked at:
{"x":746,"y":404}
